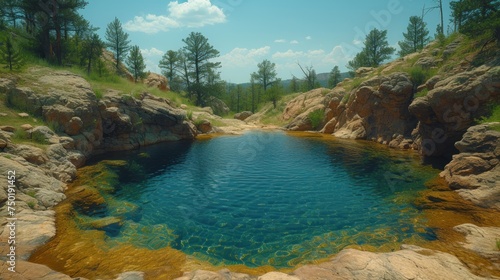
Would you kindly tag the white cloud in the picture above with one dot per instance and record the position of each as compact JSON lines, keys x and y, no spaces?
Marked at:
{"x":289,"y":54}
{"x":357,"y":42}
{"x":193,"y":13}
{"x":151,"y":59}
{"x":152,"y":52}
{"x":315,"y":53}
{"x":308,"y":38}
{"x":280,"y":41}
{"x":241,"y":57}
{"x":294,"y":42}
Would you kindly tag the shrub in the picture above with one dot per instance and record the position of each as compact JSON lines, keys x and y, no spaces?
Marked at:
{"x":39,"y":138}
{"x":189,"y":115}
{"x":31,"y":204}
{"x":98,"y":93}
{"x":20,"y":134}
{"x":418,"y":76}
{"x":316,"y":117}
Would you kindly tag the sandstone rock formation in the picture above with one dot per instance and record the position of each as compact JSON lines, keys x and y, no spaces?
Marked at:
{"x":298,"y":109}
{"x":475,"y":171}
{"x":446,"y":112}
{"x":157,"y":81}
{"x":376,"y":110}
{"x":412,"y":262}
{"x":117,"y":122}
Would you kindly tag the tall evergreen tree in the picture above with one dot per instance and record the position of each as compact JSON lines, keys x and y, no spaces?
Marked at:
{"x":477,"y":17}
{"x":117,"y":41}
{"x":375,"y":51}
{"x":199,"y":55}
{"x":135,"y":63}
{"x":92,"y":50}
{"x":266,"y":75}
{"x":9,"y":55}
{"x":377,"y":48}
{"x":335,"y":77}
{"x":416,"y":37}
{"x":170,"y":64}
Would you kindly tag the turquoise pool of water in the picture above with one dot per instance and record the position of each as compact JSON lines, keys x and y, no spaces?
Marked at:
{"x":268,"y":198}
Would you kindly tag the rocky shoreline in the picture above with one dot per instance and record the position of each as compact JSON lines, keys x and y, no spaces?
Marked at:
{"x":87,"y":126}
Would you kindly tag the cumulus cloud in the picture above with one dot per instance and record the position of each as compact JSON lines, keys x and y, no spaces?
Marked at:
{"x":152,"y":57}
{"x":241,"y":57}
{"x":152,"y":52}
{"x":193,"y":13}
{"x":294,"y":42}
{"x":289,"y":54}
{"x":280,"y":41}
{"x":308,"y":38}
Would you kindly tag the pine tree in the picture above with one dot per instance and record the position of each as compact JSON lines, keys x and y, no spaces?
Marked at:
{"x":135,"y":63}
{"x":477,"y":17}
{"x":92,"y":50}
{"x":199,"y":55}
{"x":335,"y":77}
{"x":416,"y":37}
{"x":377,"y":48}
{"x":117,"y":41}
{"x":170,"y":62}
{"x":375,"y":51}
{"x":9,"y":55}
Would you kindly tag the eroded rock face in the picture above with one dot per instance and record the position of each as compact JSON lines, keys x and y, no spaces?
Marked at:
{"x":475,"y":171}
{"x":298,"y":109}
{"x":377,"y":110}
{"x":117,"y":122}
{"x":446,"y":112}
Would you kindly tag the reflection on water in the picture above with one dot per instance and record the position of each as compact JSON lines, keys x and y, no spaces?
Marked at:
{"x":266,"y":198}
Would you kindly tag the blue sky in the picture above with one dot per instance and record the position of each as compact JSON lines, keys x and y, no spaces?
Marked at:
{"x":318,"y":33}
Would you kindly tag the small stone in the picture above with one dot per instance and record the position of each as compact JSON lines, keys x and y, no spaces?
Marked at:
{"x":8,"y":128}
{"x":184,"y":106}
{"x":26,"y":127}
{"x":74,"y":127}
{"x":204,"y":126}
{"x":3,"y":115}
{"x":23,"y":115}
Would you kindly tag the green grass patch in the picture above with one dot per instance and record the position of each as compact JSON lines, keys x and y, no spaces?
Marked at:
{"x":31,"y":204}
{"x":31,"y":193}
{"x":355,"y":83}
{"x":494,"y":116}
{"x":422,"y":93}
{"x":316,"y":117}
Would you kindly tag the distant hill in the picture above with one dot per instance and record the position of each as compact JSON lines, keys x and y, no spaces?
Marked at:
{"x":322,"y":79}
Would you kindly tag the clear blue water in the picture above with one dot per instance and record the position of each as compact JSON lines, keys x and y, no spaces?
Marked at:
{"x":268,"y":198}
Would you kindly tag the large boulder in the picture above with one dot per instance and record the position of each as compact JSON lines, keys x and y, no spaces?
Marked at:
{"x":218,"y":106}
{"x":243,"y":115}
{"x":157,"y":81}
{"x":475,"y":171}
